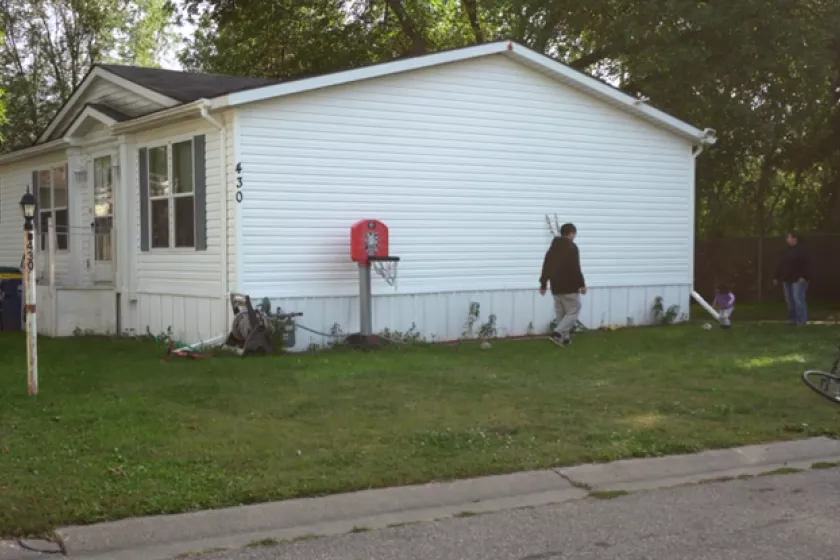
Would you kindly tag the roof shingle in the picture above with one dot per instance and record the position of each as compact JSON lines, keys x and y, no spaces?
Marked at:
{"x":185,"y":86}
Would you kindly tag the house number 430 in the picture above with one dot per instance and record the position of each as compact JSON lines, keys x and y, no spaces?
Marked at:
{"x":239,"y":182}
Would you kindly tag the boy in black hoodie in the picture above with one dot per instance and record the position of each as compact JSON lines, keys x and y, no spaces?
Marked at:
{"x":561,"y":268}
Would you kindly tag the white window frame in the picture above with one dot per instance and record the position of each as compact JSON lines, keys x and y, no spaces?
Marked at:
{"x":113,"y":160}
{"x":172,"y":195}
{"x":43,"y":242}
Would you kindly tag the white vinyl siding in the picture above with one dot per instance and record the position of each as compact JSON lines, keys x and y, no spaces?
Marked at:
{"x":232,"y":232}
{"x":14,"y":179}
{"x":183,"y":271}
{"x":462,"y":162}
{"x":440,"y":317}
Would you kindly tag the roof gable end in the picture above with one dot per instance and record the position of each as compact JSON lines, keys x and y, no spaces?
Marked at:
{"x":544,"y":64}
{"x":94,"y":113}
{"x":71,"y":106}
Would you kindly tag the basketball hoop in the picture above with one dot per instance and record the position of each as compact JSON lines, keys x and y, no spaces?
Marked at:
{"x":369,"y":250}
{"x":386,"y":267}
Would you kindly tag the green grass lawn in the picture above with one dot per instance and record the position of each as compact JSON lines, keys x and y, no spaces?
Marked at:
{"x":116,"y":432}
{"x":773,"y":311}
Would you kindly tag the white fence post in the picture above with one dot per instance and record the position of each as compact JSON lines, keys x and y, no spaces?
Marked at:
{"x":51,"y":247}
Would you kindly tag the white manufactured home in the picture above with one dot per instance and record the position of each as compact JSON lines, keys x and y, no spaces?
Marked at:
{"x":163,"y":192}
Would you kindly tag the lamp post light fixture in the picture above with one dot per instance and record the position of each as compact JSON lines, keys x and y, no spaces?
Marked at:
{"x":29,"y":207}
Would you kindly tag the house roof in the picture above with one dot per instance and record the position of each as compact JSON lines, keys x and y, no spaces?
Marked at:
{"x":185,"y":86}
{"x":536,"y":61}
{"x":172,"y":89}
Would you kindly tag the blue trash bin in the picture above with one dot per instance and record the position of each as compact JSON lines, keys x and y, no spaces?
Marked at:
{"x":11,"y":299}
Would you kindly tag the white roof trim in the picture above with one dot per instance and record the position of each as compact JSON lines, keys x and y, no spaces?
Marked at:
{"x":98,"y":72}
{"x":187,"y":110}
{"x":32,"y":151}
{"x":375,"y":71}
{"x":545,"y":64}
{"x":608,"y":93}
{"x":88,"y":112}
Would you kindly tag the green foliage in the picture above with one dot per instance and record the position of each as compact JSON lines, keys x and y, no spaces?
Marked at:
{"x":662,"y":316}
{"x":764,"y":73}
{"x":51,"y":44}
{"x":473,"y":315}
{"x":488,"y":329}
{"x":411,"y":336}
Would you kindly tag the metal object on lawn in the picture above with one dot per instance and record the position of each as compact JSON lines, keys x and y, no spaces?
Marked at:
{"x":251,"y":331}
{"x":285,"y":323}
{"x":369,"y":248}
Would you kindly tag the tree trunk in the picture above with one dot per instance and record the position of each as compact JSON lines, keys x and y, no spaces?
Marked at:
{"x":418,"y":42}
{"x":471,"y":8}
{"x":761,"y":216}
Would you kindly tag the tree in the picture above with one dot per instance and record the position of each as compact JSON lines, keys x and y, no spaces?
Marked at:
{"x":51,"y":44}
{"x":2,"y":94}
{"x":764,"y":73}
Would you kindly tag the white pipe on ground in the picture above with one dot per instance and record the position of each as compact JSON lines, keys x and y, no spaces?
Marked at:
{"x":215,"y":341}
{"x":705,"y":305}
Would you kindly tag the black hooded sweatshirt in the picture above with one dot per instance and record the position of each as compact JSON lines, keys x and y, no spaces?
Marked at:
{"x":561,"y":267}
{"x":794,"y":264}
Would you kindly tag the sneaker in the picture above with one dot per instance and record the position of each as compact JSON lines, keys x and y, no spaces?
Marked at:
{"x":559,"y":339}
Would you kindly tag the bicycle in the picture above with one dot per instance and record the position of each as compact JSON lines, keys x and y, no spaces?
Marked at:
{"x":825,"y":384}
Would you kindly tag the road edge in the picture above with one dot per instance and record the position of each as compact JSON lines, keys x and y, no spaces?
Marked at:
{"x":168,"y":536}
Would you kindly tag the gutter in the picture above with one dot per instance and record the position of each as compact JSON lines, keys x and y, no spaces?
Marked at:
{"x":193,"y":109}
{"x":223,"y":193}
{"x":709,"y":138}
{"x":36,"y":150}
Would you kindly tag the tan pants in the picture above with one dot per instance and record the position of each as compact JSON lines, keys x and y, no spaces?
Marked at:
{"x":567,"y":309}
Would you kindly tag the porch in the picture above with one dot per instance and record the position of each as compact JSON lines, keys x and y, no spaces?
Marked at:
{"x":76,"y":294}
{"x":75,"y":247}
{"x":68,"y":311}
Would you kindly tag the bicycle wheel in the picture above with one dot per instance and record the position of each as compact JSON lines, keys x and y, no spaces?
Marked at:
{"x":824,"y":384}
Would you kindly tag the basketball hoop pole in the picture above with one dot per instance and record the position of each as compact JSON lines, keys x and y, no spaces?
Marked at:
{"x":365,"y":300}
{"x":369,"y":249}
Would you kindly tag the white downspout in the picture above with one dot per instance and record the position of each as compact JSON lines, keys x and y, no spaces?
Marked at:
{"x":708,"y":138}
{"x":223,"y":241}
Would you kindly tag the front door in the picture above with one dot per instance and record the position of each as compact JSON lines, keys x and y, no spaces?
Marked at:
{"x":103,"y":219}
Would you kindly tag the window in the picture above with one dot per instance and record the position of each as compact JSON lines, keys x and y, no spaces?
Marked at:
{"x":52,"y":203}
{"x":103,"y":208}
{"x":172,"y":195}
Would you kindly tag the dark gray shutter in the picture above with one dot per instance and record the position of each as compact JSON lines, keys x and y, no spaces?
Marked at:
{"x":37,"y":192}
{"x":200,"y":193}
{"x":143,"y":164}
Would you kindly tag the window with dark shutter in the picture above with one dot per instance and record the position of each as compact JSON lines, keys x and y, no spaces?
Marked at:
{"x":173,"y":195}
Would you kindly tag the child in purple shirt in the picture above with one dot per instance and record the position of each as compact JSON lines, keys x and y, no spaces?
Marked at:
{"x":725,"y":305}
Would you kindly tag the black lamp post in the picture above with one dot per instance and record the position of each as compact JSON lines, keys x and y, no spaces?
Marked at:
{"x":29,"y":207}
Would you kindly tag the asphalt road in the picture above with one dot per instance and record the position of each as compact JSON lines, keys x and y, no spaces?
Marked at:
{"x":781,"y":517}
